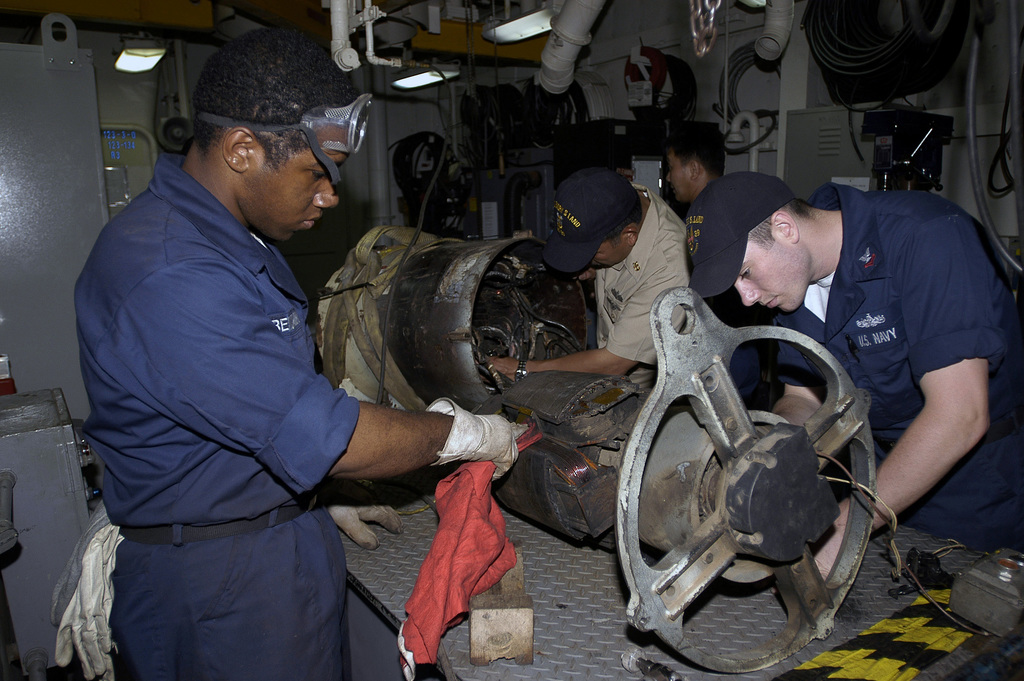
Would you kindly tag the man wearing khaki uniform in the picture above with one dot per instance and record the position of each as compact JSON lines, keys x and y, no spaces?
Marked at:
{"x":634,"y":246}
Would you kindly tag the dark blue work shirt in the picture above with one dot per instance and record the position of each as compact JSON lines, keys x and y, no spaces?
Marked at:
{"x":916,"y":291}
{"x":206,"y":406}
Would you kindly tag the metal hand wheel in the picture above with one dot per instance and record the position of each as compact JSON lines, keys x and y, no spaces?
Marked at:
{"x":712,"y":496}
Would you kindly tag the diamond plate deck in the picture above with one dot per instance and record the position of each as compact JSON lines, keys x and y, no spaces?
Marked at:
{"x":579,"y":599}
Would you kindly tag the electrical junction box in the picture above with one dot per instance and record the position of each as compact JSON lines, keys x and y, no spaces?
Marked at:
{"x":990,"y":593}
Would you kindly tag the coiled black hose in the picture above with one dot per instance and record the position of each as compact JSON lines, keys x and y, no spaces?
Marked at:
{"x":861,"y":61}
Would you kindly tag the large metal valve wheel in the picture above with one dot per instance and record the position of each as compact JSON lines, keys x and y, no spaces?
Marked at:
{"x":713,"y":496}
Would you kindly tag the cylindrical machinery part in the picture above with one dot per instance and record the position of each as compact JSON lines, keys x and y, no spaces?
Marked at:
{"x":452,"y":305}
{"x":441,"y":305}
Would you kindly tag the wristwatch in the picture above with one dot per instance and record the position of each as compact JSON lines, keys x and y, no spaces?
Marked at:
{"x":521,"y":370}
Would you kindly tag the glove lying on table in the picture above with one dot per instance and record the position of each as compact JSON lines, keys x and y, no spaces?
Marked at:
{"x":352,"y":507}
{"x":85,"y":625}
{"x":478,"y":438}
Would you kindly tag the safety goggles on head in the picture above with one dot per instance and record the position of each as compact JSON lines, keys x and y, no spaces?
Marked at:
{"x":326,"y":129}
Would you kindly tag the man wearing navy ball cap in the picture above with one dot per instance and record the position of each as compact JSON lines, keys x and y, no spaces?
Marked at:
{"x":626,"y":238}
{"x":900,"y":288}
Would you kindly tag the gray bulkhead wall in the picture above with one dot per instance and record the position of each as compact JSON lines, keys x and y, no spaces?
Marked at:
{"x":52,"y":206}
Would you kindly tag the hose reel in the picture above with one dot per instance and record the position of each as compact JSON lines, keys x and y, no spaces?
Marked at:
{"x":711,"y":495}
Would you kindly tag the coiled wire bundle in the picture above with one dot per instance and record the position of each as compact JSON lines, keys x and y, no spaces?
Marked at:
{"x":861,"y":61}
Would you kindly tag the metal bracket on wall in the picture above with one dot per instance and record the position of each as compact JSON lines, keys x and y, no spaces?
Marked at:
{"x":60,"y":43}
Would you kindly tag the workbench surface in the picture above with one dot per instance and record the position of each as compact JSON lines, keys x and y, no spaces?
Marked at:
{"x":579,"y":600}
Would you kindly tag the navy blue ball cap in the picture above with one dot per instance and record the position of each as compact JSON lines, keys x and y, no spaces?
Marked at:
{"x":589,"y":204}
{"x":719,"y":220}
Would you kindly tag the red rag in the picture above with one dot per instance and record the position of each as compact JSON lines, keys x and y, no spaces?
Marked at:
{"x":470,"y":554}
{"x":530,"y":437}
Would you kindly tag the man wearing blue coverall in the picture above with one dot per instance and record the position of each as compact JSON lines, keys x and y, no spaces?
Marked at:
{"x":900,"y":288}
{"x":206,"y":408}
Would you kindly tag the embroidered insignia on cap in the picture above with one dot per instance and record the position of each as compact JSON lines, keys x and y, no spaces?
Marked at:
{"x":560,"y":213}
{"x":692,"y":239}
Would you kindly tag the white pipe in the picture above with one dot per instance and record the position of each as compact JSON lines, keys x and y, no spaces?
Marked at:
{"x":342,"y":52}
{"x":778,"y":22}
{"x":370,"y":14}
{"x":570,"y":31}
{"x":754,"y":133}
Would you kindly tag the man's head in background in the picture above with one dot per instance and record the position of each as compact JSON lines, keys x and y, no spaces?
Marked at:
{"x":696,"y":155}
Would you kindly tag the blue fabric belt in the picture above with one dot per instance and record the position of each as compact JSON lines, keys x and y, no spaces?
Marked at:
{"x":183,"y":534}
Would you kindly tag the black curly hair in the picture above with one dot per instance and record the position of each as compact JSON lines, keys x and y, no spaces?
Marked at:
{"x":270,"y":76}
{"x":702,"y":142}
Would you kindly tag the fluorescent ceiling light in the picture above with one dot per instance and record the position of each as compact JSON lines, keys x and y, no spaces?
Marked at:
{"x":756,"y":4}
{"x":520,"y":28}
{"x":139,"y":55}
{"x":411,"y":79}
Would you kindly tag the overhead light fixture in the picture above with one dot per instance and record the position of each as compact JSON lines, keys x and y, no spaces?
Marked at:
{"x":139,"y":55}
{"x":422,"y":76}
{"x":756,"y":4}
{"x":524,"y":26}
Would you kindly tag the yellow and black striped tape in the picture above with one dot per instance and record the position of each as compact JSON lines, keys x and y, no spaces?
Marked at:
{"x":894,"y":649}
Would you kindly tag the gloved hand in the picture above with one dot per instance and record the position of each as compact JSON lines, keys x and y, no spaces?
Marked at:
{"x":478,"y":438}
{"x":85,"y":625}
{"x":352,"y":506}
{"x":352,"y":521}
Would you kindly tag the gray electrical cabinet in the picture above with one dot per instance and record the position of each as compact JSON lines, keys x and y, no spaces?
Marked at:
{"x":43,"y":455}
{"x":826,"y":145}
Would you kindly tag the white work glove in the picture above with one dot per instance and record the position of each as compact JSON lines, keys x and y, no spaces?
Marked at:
{"x":85,"y":626}
{"x":478,"y":438}
{"x":352,"y":520}
{"x":352,"y":505}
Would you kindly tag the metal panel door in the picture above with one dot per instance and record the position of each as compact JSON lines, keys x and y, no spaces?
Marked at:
{"x":52,"y":204}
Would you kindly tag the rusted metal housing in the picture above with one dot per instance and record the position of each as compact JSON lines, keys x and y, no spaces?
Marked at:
{"x":568,"y":480}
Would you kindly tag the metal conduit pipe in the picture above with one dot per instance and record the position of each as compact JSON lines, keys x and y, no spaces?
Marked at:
{"x":36,"y":661}
{"x":754,"y":127}
{"x":8,"y":534}
{"x":778,"y":23}
{"x":370,"y":14}
{"x":570,"y":31}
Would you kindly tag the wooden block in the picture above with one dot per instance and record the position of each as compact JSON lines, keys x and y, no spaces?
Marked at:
{"x":501,"y":621}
